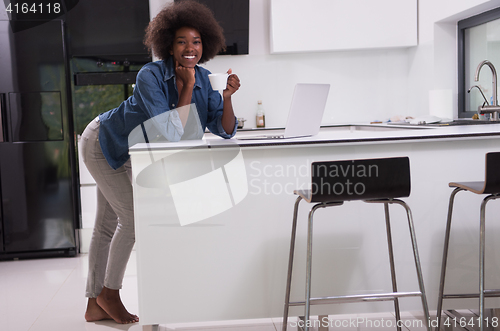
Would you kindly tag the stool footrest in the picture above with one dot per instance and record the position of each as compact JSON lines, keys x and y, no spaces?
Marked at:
{"x":487,"y":293}
{"x":357,"y":298}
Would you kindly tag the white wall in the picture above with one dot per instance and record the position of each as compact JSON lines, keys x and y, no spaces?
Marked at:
{"x":366,"y":85}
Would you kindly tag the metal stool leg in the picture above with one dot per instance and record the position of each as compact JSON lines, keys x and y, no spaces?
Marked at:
{"x":290,"y":264}
{"x":481,"y":263}
{"x":309,"y":264}
{"x":445,"y":257}
{"x":309,"y":259}
{"x":417,"y":261}
{"x":392,"y":264}
{"x":482,"y":257}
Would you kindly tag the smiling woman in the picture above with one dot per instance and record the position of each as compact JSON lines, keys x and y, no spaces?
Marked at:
{"x":187,"y":47}
{"x":173,"y":93}
{"x":186,"y":51}
{"x":187,"y":33}
{"x":161,"y":31}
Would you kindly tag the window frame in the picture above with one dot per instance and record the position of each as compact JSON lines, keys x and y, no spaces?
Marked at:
{"x":470,"y":22}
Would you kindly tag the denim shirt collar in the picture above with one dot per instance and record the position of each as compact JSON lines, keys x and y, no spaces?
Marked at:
{"x":170,"y":72}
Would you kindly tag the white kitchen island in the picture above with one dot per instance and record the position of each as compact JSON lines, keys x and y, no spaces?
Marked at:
{"x":213,"y":222}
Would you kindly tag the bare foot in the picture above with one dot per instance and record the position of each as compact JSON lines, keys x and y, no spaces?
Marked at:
{"x":94,"y":312}
{"x":109,"y":300}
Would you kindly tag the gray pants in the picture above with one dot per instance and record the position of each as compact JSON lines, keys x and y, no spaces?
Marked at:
{"x":113,"y":237}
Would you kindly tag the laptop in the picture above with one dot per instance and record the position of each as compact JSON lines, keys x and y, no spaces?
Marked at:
{"x":305,"y":114}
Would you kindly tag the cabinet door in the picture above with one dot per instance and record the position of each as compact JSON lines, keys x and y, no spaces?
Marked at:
{"x":325,"y":25}
{"x":36,"y":196}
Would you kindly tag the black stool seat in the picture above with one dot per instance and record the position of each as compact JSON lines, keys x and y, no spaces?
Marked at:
{"x":369,"y":180}
{"x":490,"y":186}
{"x":358,"y":180}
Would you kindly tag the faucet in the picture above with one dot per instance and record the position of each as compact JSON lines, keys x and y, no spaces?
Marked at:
{"x":485,"y":100}
{"x":494,"y":108}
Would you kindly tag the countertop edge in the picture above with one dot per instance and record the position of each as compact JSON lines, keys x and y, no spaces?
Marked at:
{"x":441,"y":134}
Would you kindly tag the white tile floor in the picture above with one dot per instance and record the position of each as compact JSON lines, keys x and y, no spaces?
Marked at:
{"x":48,"y":295}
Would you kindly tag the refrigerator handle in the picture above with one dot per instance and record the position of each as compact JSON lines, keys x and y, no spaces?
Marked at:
{"x":4,"y":126}
{"x":3,"y":117}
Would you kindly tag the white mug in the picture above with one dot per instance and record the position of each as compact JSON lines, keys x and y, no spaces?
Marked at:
{"x":218,"y":81}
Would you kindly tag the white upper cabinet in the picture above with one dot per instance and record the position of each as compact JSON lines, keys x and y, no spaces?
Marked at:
{"x":326,"y":25}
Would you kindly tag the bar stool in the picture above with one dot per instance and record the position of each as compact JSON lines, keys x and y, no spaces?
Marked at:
{"x":368,"y":180}
{"x":491,"y":186}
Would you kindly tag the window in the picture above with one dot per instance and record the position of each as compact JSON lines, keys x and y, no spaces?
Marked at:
{"x":478,"y":40}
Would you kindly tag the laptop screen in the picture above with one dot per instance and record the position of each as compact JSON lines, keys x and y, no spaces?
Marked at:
{"x":306,"y":110}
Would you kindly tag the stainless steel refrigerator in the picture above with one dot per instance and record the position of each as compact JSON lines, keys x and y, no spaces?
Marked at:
{"x":39,"y":201}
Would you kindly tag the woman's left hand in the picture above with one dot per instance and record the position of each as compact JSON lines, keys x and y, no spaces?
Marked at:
{"x":233,"y":84}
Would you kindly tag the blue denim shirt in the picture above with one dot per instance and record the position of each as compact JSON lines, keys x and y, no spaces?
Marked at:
{"x":155,"y":93}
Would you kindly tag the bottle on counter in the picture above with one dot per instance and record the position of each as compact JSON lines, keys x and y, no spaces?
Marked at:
{"x":260,"y":117}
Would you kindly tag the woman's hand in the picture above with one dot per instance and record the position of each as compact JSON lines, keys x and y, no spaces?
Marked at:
{"x":228,"y":119}
{"x":185,"y":80}
{"x":233,"y":85}
{"x":185,"y":76}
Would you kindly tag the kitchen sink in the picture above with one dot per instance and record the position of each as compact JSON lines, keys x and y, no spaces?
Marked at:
{"x":463,"y":122}
{"x":373,"y":127}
